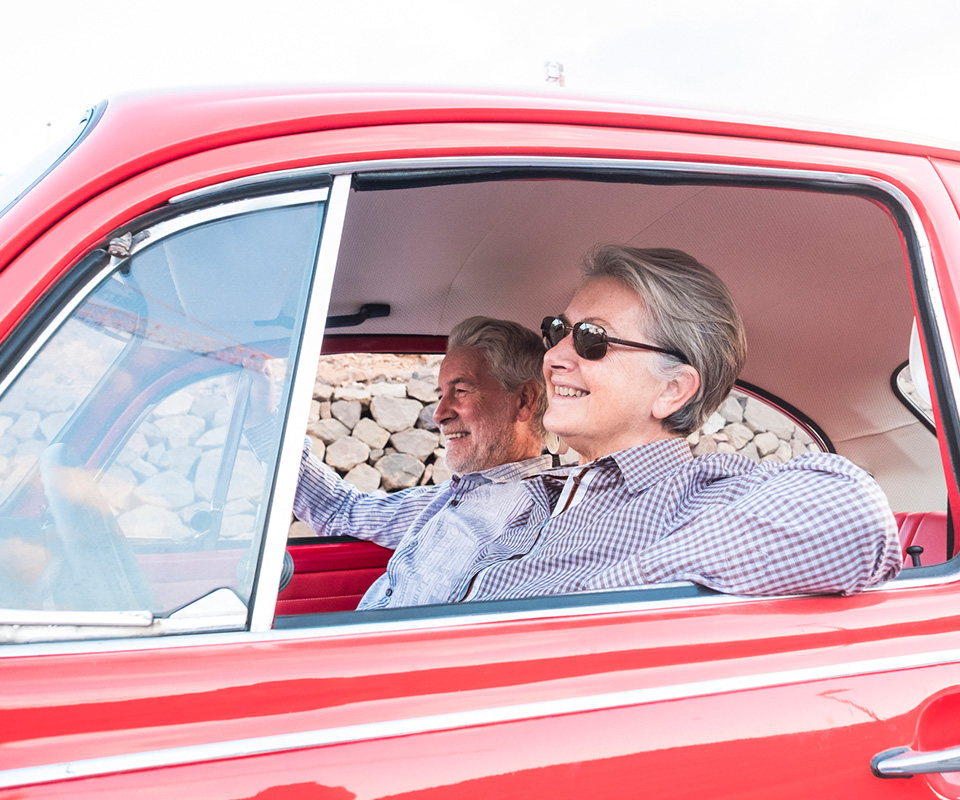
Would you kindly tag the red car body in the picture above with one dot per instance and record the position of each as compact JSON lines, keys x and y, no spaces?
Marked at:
{"x":656,"y":691}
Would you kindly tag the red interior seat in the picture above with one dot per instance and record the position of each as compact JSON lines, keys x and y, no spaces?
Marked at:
{"x":331,"y":576}
{"x":927,"y":529}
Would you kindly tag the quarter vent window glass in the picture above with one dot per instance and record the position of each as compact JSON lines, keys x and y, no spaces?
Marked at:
{"x":127,"y":482}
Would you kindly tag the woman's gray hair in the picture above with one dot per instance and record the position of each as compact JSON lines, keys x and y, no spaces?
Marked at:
{"x":514,"y":353}
{"x":689,"y":309}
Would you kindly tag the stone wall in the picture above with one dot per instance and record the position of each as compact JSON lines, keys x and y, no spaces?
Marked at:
{"x":372,"y":421}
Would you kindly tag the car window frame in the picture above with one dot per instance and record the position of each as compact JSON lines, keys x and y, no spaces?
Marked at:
{"x":279,"y":500}
{"x":925,"y":288}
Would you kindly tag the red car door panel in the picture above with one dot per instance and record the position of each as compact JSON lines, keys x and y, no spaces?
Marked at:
{"x":670,"y":695}
{"x":331,"y":576}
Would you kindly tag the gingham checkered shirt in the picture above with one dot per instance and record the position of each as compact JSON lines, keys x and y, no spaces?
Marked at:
{"x":654,"y":513}
{"x":435,"y":531}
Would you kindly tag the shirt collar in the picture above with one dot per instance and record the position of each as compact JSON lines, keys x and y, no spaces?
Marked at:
{"x":511,"y":471}
{"x":647,"y":464}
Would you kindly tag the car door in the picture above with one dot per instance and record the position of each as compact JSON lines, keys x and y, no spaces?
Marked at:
{"x":667,"y":690}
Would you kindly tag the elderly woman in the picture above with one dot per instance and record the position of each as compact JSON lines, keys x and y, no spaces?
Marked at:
{"x":648,"y":348}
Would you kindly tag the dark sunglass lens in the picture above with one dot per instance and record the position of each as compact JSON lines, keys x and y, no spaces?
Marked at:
{"x":553,"y":331}
{"x":590,"y":341}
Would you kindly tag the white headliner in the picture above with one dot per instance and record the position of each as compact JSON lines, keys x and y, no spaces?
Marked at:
{"x":820,"y":279}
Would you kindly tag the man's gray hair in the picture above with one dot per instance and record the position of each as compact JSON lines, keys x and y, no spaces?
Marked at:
{"x":689,"y":309}
{"x":514,"y":353}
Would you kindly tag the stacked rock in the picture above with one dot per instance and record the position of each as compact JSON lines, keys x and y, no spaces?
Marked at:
{"x":748,"y":426}
{"x":379,"y":435}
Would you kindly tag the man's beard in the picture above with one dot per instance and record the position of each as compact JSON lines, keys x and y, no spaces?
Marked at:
{"x":486,"y":451}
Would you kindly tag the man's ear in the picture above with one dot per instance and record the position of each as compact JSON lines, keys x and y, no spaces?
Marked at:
{"x":528,"y":398}
{"x":676,"y":392}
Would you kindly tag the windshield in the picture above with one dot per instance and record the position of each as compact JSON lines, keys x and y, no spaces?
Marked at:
{"x":21,"y":181}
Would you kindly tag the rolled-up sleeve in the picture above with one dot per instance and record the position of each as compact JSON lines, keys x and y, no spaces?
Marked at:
{"x":333,"y":507}
{"x":816,"y":524}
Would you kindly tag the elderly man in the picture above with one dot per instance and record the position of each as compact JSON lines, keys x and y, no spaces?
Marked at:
{"x":490,"y":412}
{"x":648,"y":347}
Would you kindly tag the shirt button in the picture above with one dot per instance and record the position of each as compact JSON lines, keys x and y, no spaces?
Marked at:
{"x":388,"y":592}
{"x":454,"y":502}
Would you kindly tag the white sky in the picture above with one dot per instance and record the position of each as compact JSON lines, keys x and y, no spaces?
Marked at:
{"x":874,"y":63}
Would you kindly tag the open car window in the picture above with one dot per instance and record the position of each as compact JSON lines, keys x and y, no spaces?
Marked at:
{"x":818,"y":271}
{"x":808,"y":267}
{"x":125,"y":479}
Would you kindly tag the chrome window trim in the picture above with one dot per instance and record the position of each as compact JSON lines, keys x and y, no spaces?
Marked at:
{"x":264,"y":599}
{"x":279,"y":743}
{"x":401,"y":165}
{"x":96,"y":619}
{"x":192,"y":219}
{"x":469,"y":618}
{"x":219,"y":638}
{"x":47,"y":333}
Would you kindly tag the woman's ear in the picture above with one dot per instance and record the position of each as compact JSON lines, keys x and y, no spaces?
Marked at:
{"x":676,"y":392}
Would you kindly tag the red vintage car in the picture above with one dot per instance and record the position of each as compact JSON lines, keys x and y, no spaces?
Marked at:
{"x":178,"y":242}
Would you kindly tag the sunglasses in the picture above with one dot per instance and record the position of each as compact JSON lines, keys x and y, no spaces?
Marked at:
{"x":590,"y":340}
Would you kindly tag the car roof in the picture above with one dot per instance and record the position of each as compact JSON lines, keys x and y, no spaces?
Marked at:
{"x":214,"y":117}
{"x":138,"y":131}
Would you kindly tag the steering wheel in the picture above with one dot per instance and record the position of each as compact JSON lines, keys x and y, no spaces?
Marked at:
{"x":100,"y":570}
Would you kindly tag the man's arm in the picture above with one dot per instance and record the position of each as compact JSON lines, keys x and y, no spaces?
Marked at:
{"x":333,"y":507}
{"x":817,"y":524}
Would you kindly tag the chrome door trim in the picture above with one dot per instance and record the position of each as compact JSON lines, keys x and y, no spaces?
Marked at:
{"x":106,"y":643}
{"x":278,"y":743}
{"x":283,"y":199}
{"x":468,"y":618}
{"x":401,"y":165}
{"x":93,"y":619}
